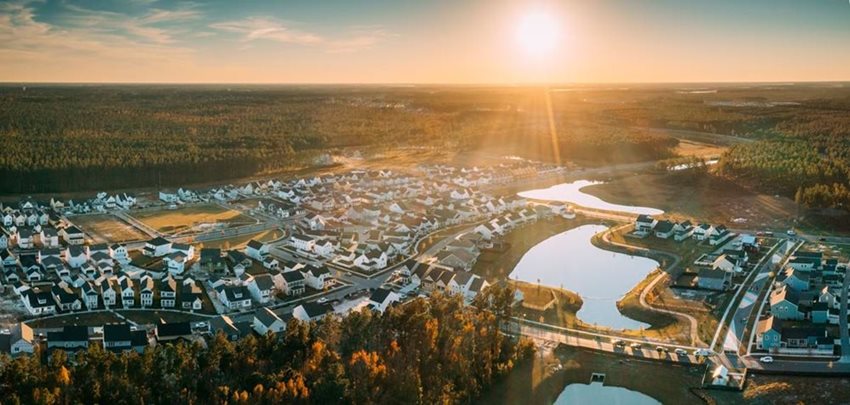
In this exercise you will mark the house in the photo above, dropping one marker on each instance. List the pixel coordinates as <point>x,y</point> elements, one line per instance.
<point>382,298</point>
<point>175,262</point>
<point>785,304</point>
<point>727,263</point>
<point>167,292</point>
<point>664,229</point>
<point>70,339</point>
<point>119,253</point>
<point>713,279</point>
<point>128,292</point>
<point>224,324</point>
<point>645,223</point>
<point>17,340</point>
<point>293,282</point>
<point>49,237</point>
<point>805,337</point>
<point>38,302</point>
<point>261,288</point>
<point>120,338</point>
<point>311,311</point>
<point>146,291</point>
<point>682,231</point>
<point>266,321</point>
<point>302,242</point>
<point>191,295</point>
<point>702,232</point>
<point>157,247</point>
<point>235,297</point>
<point>769,335</point>
<point>110,297</point>
<point>720,235</point>
<point>796,279</point>
<point>256,250</point>
<point>173,332</point>
<point>90,296</point>
<point>187,250</point>
<point>456,259</point>
<point>65,298</point>
<point>212,260</point>
<point>76,256</point>
<point>316,277</point>
<point>822,313</point>
<point>72,235</point>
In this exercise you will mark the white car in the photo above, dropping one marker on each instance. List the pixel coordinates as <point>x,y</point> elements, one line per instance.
<point>703,352</point>
<point>681,352</point>
<point>322,300</point>
<point>791,232</point>
<point>766,359</point>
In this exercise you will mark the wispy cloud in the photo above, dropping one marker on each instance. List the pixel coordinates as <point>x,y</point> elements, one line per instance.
<point>255,28</point>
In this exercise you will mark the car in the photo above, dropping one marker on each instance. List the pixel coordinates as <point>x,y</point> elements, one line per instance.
<point>322,300</point>
<point>766,359</point>
<point>822,239</point>
<point>636,346</point>
<point>703,352</point>
<point>760,233</point>
<point>791,232</point>
<point>768,233</point>
<point>619,343</point>
<point>661,349</point>
<point>681,352</point>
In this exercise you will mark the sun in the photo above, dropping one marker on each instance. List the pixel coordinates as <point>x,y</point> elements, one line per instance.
<point>538,33</point>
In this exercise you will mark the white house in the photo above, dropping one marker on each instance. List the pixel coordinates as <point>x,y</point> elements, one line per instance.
<point>382,298</point>
<point>316,277</point>
<point>256,250</point>
<point>262,288</point>
<point>157,247</point>
<point>266,321</point>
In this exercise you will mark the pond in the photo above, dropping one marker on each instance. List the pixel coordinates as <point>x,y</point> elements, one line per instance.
<point>571,193</point>
<point>596,393</point>
<point>569,260</point>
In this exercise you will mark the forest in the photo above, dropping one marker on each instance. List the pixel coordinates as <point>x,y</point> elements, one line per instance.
<point>427,351</point>
<point>59,138</point>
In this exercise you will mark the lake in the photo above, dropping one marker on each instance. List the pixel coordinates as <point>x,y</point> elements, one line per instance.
<point>568,260</point>
<point>571,193</point>
<point>596,393</point>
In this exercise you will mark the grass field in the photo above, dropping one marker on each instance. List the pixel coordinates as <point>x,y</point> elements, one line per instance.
<point>108,228</point>
<point>89,319</point>
<point>182,219</point>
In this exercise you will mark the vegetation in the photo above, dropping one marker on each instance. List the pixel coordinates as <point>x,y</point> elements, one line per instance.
<point>427,351</point>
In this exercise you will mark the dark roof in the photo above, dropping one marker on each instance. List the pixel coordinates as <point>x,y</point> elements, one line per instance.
<point>380,295</point>
<point>292,276</point>
<point>116,333</point>
<point>70,334</point>
<point>802,333</point>
<point>254,244</point>
<point>664,226</point>
<point>314,309</point>
<point>158,241</point>
<point>173,329</point>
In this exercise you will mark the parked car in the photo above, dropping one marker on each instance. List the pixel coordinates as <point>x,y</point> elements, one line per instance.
<point>661,349</point>
<point>703,352</point>
<point>322,300</point>
<point>766,359</point>
<point>619,343</point>
<point>681,352</point>
<point>636,346</point>
<point>791,232</point>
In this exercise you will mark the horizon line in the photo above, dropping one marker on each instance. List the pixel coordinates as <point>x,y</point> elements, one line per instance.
<point>425,84</point>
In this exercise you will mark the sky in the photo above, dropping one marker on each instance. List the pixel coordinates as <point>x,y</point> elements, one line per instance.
<point>424,41</point>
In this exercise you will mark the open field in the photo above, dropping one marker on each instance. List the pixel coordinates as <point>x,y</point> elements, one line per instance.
<point>105,228</point>
<point>83,318</point>
<point>699,149</point>
<point>185,218</point>
<point>536,382</point>
<point>238,242</point>
<point>704,198</point>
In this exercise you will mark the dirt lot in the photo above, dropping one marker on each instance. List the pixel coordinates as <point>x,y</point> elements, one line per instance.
<point>104,228</point>
<point>766,390</point>
<point>182,219</point>
<point>703,150</point>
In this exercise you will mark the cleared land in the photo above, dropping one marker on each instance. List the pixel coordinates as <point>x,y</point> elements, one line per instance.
<point>237,242</point>
<point>186,218</point>
<point>105,228</point>
<point>706,197</point>
<point>785,389</point>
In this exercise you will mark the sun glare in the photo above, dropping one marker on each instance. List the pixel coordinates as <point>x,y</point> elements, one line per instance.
<point>538,33</point>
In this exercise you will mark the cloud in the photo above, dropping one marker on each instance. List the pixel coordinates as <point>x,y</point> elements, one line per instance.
<point>252,29</point>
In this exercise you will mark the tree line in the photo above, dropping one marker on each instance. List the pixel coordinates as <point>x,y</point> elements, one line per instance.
<point>426,351</point>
